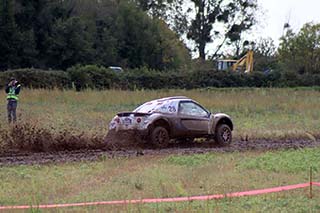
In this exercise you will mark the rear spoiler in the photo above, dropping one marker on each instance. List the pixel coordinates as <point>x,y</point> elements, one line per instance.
<point>135,114</point>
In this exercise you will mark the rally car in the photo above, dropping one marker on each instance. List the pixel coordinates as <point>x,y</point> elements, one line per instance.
<point>178,117</point>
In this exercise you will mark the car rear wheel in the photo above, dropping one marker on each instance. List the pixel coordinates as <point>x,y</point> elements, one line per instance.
<point>223,135</point>
<point>160,137</point>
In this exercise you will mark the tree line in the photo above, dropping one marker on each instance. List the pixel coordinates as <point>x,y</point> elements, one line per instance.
<point>58,34</point>
<point>147,35</point>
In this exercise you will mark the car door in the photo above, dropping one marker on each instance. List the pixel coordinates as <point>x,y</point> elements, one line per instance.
<point>194,119</point>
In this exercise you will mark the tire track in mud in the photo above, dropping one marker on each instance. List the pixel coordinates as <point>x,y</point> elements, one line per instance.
<point>17,158</point>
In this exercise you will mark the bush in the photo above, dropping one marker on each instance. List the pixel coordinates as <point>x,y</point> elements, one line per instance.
<point>36,78</point>
<point>91,76</point>
<point>99,77</point>
<point>143,78</point>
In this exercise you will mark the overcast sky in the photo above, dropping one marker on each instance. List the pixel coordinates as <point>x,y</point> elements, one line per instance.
<point>278,12</point>
<point>275,13</point>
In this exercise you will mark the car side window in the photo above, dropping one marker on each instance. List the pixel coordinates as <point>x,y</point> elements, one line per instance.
<point>190,108</point>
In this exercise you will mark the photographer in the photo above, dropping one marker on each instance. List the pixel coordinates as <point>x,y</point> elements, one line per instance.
<point>12,90</point>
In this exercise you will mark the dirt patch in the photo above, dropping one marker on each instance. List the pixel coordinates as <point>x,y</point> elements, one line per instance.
<point>14,158</point>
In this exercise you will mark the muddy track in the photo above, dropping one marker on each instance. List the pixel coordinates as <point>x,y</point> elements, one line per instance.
<point>18,158</point>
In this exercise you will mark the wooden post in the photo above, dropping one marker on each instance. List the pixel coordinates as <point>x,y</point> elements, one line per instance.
<point>310,179</point>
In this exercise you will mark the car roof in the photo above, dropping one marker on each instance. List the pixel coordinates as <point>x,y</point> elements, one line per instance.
<point>151,105</point>
<point>173,98</point>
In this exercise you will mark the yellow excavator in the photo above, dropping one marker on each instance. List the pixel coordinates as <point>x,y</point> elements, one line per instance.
<point>244,64</point>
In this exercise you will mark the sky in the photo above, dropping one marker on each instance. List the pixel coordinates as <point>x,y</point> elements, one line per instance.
<point>278,12</point>
<point>274,14</point>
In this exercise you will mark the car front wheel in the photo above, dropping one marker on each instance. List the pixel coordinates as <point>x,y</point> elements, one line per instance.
<point>160,137</point>
<point>223,135</point>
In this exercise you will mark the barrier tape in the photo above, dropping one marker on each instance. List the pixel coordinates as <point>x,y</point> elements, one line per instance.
<point>161,200</point>
<point>316,184</point>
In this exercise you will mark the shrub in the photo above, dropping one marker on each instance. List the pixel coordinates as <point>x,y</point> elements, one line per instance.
<point>99,77</point>
<point>91,76</point>
<point>36,78</point>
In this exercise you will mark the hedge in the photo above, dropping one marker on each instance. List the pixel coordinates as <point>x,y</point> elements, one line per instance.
<point>96,77</point>
<point>35,78</point>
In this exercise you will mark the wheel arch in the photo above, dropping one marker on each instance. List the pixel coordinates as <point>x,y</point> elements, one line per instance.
<point>223,120</point>
<point>160,122</point>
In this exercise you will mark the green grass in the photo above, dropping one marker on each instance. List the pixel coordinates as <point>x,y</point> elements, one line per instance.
<point>168,176</point>
<point>189,160</point>
<point>291,161</point>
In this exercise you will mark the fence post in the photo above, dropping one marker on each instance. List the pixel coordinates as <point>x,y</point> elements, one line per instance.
<point>311,180</point>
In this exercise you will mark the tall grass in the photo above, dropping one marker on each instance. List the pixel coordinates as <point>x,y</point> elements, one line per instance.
<point>256,112</point>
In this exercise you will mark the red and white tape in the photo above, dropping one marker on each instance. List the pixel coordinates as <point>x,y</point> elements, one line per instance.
<point>162,200</point>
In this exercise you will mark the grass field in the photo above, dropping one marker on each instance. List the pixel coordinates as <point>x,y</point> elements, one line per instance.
<point>169,176</point>
<point>257,113</point>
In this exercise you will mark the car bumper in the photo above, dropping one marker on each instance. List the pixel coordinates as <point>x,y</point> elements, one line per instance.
<point>144,131</point>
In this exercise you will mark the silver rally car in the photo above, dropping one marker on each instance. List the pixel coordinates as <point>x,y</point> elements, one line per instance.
<point>178,117</point>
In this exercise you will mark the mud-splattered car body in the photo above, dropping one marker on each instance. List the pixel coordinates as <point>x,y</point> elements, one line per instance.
<point>172,118</point>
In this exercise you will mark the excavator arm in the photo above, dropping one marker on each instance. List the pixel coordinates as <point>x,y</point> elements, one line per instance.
<point>246,60</point>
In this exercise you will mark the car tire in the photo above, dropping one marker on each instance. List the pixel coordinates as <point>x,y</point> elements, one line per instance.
<point>223,135</point>
<point>160,137</point>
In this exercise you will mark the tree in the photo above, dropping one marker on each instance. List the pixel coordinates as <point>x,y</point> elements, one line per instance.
<point>70,44</point>
<point>105,44</point>
<point>8,35</point>
<point>26,50</point>
<point>265,54</point>
<point>35,20</point>
<point>220,19</point>
<point>156,8</point>
<point>300,52</point>
<point>242,18</point>
<point>59,34</point>
<point>173,12</point>
<point>147,42</point>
